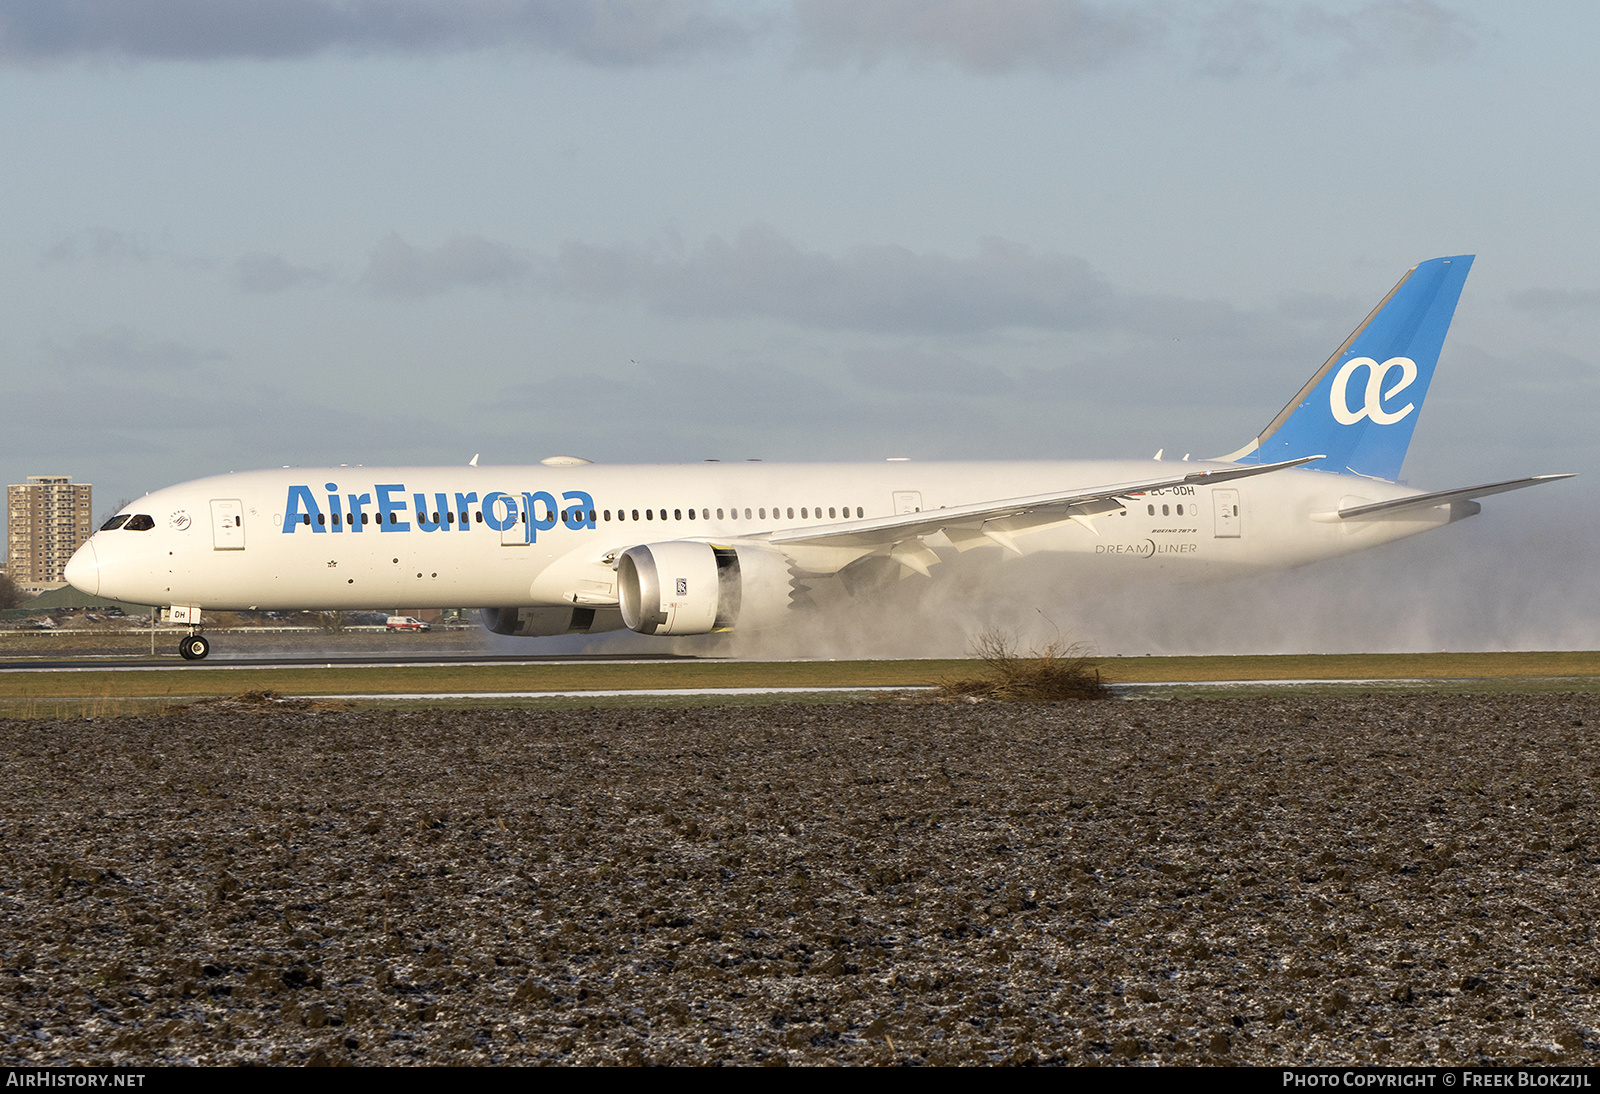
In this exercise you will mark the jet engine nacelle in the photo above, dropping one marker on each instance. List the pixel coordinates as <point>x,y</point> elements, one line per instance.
<point>547,622</point>
<point>684,587</point>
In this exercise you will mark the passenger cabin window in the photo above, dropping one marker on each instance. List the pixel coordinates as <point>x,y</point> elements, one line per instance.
<point>139,522</point>
<point>1165,512</point>
<point>115,522</point>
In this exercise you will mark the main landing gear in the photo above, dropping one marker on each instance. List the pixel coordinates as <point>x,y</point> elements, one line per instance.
<point>194,647</point>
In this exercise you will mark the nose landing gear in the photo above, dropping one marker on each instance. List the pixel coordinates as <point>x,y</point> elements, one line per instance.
<point>193,646</point>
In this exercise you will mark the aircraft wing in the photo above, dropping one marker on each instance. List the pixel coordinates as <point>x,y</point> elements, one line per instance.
<point>1388,509</point>
<point>995,520</point>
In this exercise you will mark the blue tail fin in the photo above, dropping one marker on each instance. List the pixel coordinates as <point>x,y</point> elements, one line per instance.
<point>1360,408</point>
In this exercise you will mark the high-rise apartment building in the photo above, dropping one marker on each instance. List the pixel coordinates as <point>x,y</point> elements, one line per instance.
<point>47,519</point>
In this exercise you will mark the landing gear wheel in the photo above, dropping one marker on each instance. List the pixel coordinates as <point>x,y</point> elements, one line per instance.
<point>194,647</point>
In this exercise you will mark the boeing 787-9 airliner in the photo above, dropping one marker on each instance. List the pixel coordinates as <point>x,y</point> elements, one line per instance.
<point>568,546</point>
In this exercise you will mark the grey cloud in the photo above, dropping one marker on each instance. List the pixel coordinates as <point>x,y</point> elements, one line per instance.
<point>1509,379</point>
<point>258,272</point>
<point>396,268</point>
<point>1391,31</point>
<point>1320,307</point>
<point>1248,373</point>
<point>982,36</point>
<point>640,391</point>
<point>1556,299</point>
<point>1067,37</point>
<point>1310,39</point>
<point>986,37</point>
<point>605,32</point>
<point>875,288</point>
<point>1238,37</point>
<point>879,289</point>
<point>759,409</point>
<point>909,372</point>
<point>128,438</point>
<point>97,245</point>
<point>1554,370</point>
<point>122,350</point>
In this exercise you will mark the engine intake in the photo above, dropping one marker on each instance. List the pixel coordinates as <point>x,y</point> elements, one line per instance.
<point>683,587</point>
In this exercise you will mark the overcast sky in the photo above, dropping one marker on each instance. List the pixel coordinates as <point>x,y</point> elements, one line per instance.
<point>236,234</point>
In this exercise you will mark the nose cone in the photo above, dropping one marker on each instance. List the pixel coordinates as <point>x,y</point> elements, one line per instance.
<point>83,570</point>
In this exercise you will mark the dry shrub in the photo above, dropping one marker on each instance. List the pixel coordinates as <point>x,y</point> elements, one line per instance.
<point>1056,673</point>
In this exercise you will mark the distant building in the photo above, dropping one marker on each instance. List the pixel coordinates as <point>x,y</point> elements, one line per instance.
<point>47,519</point>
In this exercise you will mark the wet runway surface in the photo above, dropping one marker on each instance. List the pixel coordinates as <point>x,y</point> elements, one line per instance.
<point>355,660</point>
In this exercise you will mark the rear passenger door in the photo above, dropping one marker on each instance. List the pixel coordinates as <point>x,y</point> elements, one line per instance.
<point>1226,505</point>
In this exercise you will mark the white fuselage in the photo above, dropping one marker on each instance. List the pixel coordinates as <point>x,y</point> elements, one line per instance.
<point>393,537</point>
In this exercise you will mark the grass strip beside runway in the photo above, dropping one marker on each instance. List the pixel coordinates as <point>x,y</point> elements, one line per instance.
<point>1352,666</point>
<point>411,679</point>
<point>190,681</point>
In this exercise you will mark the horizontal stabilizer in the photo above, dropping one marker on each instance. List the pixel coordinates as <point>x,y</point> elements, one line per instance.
<point>1388,509</point>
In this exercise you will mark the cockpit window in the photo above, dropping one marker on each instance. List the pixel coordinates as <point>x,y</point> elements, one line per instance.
<point>140,522</point>
<point>115,522</point>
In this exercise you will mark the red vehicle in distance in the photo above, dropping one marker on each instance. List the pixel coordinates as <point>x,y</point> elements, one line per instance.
<point>405,623</point>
